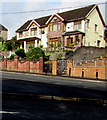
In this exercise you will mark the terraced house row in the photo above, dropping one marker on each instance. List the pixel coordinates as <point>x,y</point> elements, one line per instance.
<point>79,27</point>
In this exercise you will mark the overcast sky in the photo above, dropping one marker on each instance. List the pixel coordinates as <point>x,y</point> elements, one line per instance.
<point>13,21</point>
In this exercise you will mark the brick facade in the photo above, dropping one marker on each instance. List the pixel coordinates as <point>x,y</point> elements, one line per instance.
<point>22,66</point>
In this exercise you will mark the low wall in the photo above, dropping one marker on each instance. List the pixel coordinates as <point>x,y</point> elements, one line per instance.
<point>96,70</point>
<point>22,66</point>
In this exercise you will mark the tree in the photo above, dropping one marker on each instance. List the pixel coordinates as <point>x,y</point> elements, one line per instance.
<point>4,46</point>
<point>35,53</point>
<point>20,52</point>
<point>12,45</point>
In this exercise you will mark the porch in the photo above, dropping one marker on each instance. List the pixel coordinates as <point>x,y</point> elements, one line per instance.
<point>73,39</point>
<point>28,43</point>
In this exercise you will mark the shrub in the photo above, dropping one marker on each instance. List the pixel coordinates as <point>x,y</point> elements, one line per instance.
<point>46,57</point>
<point>59,45</point>
<point>41,46</point>
<point>72,44</point>
<point>51,45</point>
<point>20,52</point>
<point>35,53</point>
<point>59,57</point>
<point>12,57</point>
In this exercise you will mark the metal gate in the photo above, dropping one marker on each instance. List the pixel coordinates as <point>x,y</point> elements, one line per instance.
<point>62,67</point>
<point>48,67</point>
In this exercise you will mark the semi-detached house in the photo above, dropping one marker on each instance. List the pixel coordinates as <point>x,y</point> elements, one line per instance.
<point>79,27</point>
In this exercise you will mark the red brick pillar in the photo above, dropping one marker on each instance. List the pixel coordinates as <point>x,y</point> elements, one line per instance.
<point>16,64</point>
<point>41,65</point>
<point>5,64</point>
<point>28,66</point>
<point>54,67</point>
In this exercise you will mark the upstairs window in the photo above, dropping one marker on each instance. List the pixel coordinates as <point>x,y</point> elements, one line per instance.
<point>33,31</point>
<point>55,27</point>
<point>20,34</point>
<point>77,25</point>
<point>96,28</point>
<point>87,23</point>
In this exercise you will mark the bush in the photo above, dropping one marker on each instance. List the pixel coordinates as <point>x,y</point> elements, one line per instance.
<point>46,57</point>
<point>20,52</point>
<point>59,57</point>
<point>35,53</point>
<point>12,57</point>
<point>51,45</point>
<point>68,51</point>
<point>59,45</point>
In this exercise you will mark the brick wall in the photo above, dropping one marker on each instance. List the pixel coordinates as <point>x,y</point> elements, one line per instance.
<point>22,66</point>
<point>94,70</point>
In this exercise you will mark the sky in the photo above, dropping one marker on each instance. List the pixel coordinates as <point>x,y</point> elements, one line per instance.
<point>14,19</point>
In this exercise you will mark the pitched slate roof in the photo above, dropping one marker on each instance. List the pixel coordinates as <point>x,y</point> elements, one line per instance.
<point>3,28</point>
<point>76,13</point>
<point>71,15</point>
<point>41,21</point>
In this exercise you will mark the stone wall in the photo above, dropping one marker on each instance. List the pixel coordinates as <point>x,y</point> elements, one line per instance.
<point>87,53</point>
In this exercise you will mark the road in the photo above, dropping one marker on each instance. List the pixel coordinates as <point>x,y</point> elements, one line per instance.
<point>52,85</point>
<point>42,97</point>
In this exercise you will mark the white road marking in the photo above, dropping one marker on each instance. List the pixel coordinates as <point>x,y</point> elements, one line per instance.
<point>9,112</point>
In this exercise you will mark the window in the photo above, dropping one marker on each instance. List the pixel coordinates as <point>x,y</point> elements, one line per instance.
<point>20,34</point>
<point>98,43</point>
<point>55,41</point>
<point>50,27</point>
<point>55,27</point>
<point>88,21</point>
<point>33,31</point>
<point>77,25</point>
<point>96,28</point>
<point>69,41</point>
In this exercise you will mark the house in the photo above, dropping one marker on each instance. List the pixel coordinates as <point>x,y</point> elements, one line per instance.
<point>3,33</point>
<point>33,33</point>
<point>105,33</point>
<point>69,30</point>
